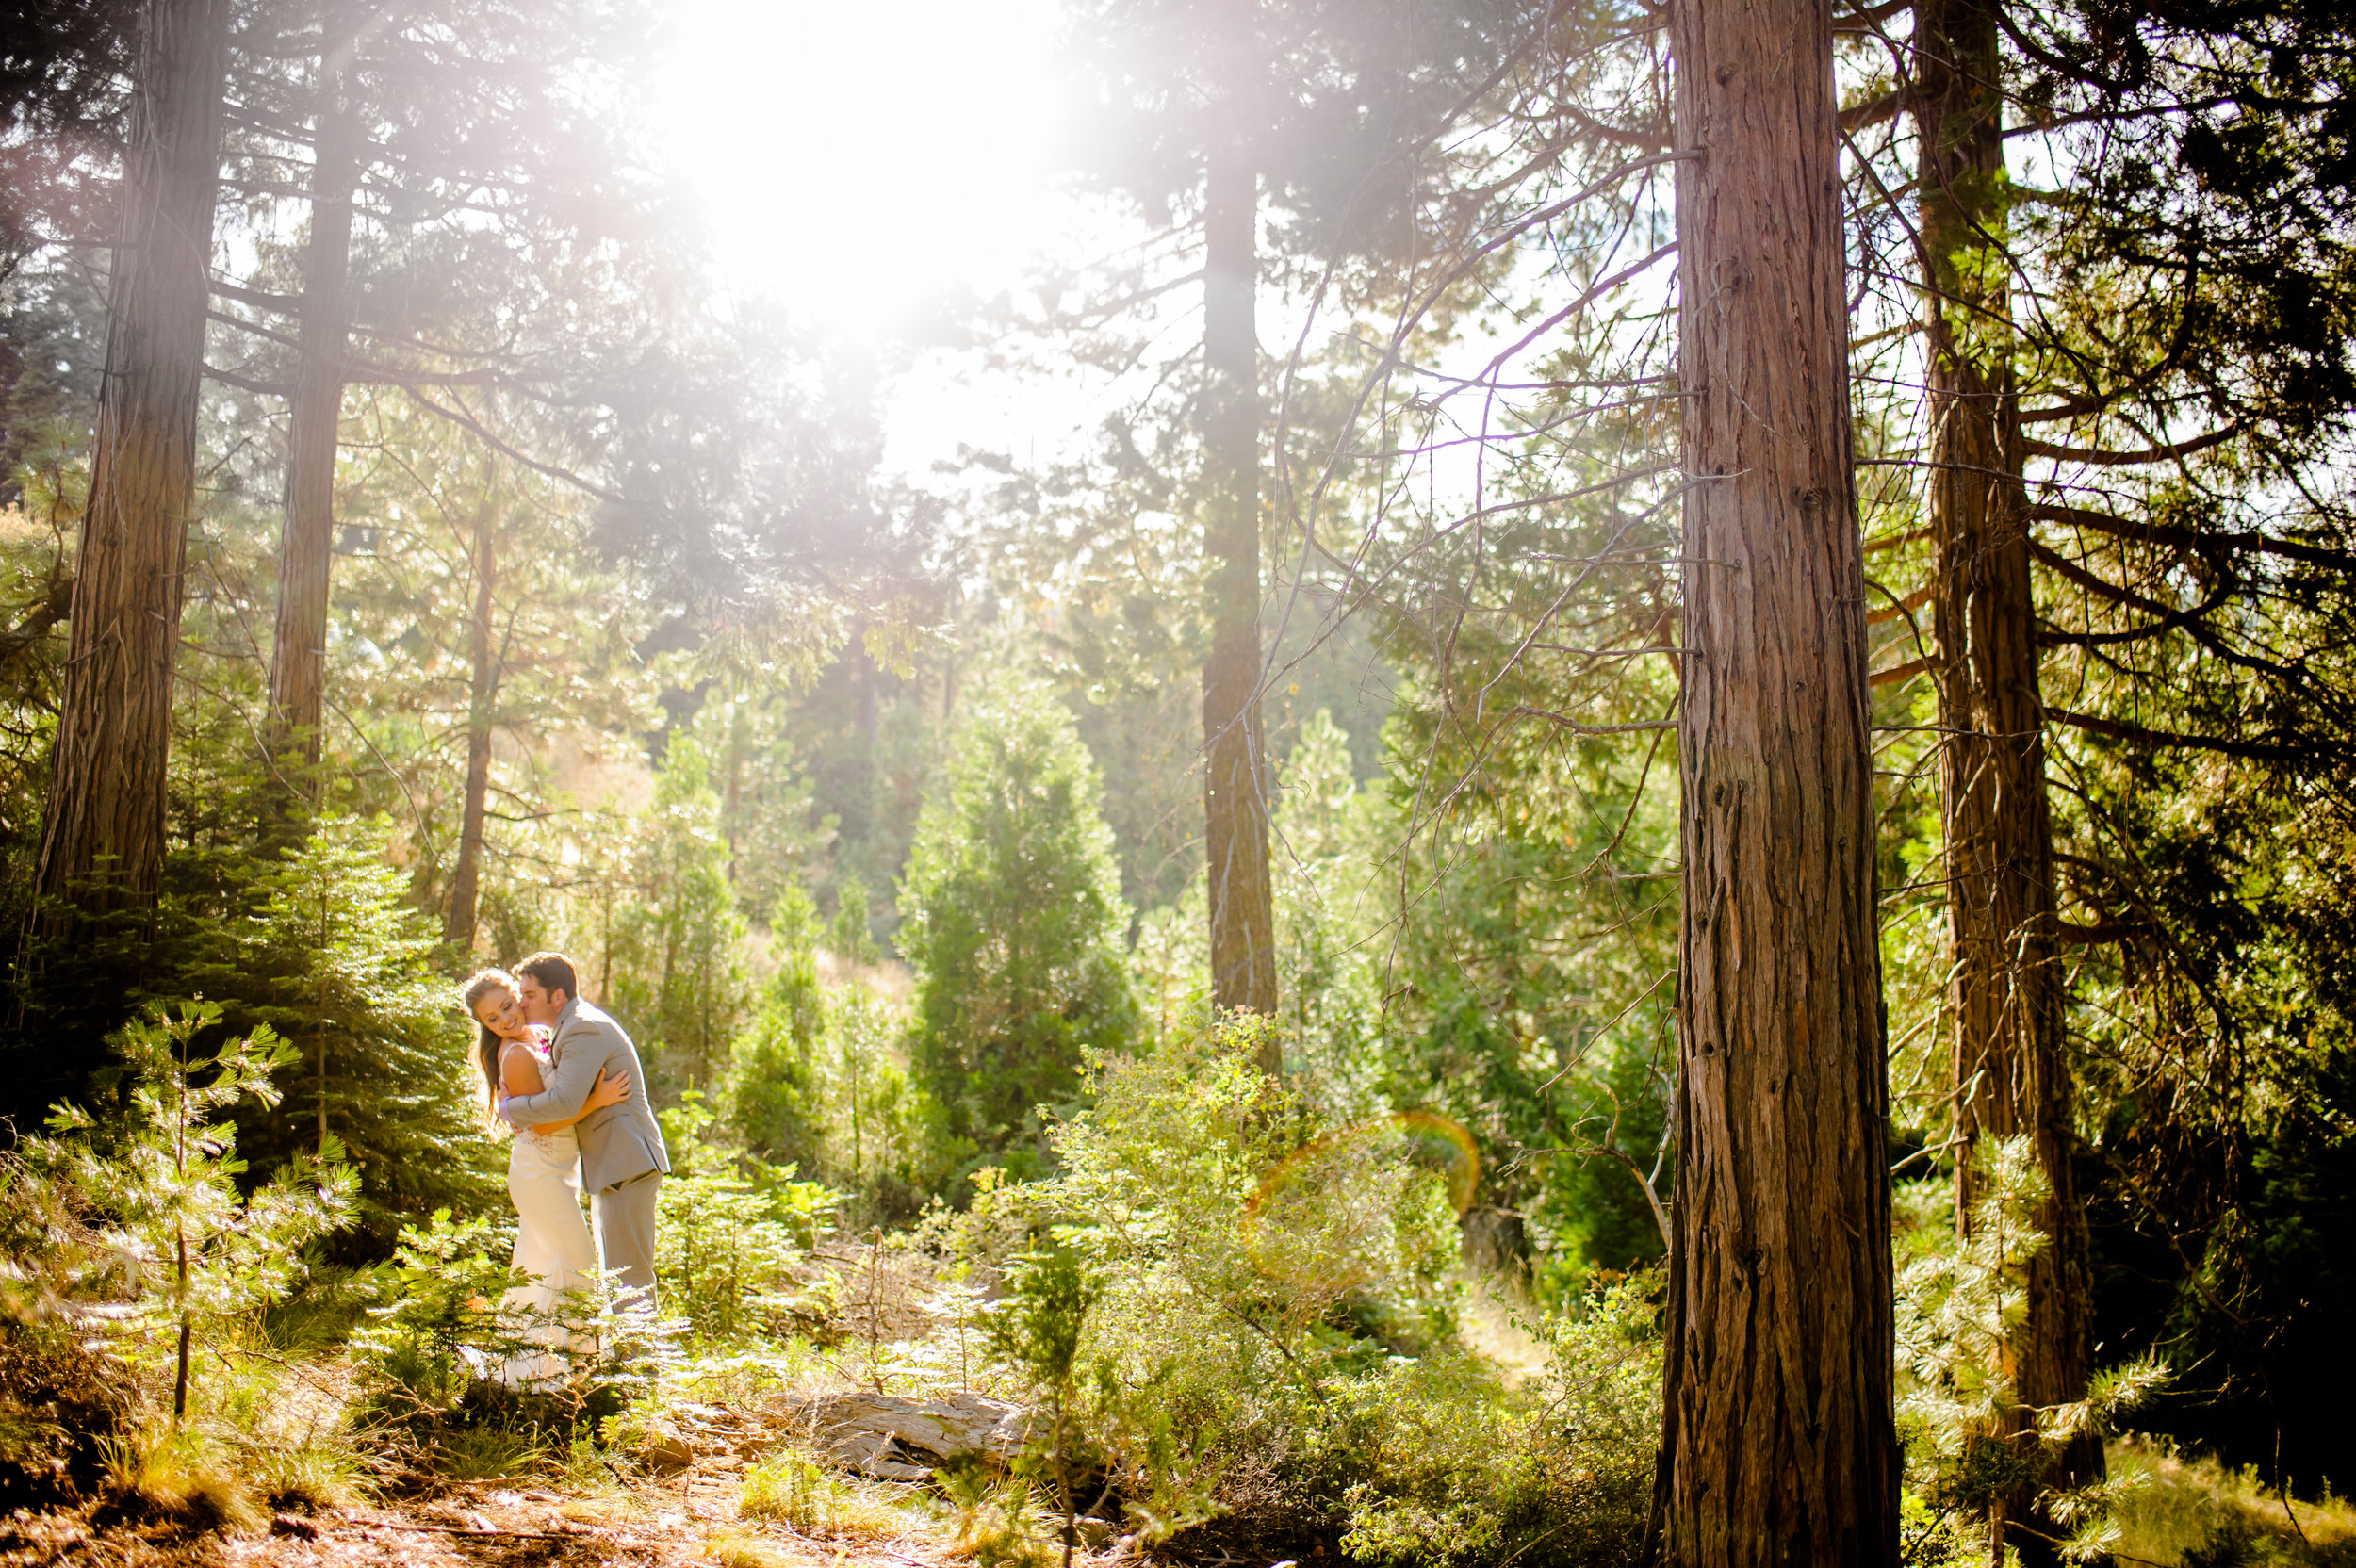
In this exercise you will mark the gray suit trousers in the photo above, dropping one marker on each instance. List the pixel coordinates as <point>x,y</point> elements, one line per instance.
<point>623,1218</point>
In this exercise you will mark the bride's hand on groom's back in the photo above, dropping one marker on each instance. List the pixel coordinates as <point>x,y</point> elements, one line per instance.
<point>609,1091</point>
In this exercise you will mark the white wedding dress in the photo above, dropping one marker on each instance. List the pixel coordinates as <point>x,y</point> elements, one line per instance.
<point>552,1244</point>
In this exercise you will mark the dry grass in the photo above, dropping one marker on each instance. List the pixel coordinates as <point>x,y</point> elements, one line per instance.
<point>734,1549</point>
<point>794,1490</point>
<point>2218,1515</point>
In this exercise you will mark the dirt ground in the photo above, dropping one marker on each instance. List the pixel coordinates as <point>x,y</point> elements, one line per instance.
<point>689,1517</point>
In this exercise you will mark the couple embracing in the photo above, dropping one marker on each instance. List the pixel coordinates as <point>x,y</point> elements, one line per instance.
<point>565,1077</point>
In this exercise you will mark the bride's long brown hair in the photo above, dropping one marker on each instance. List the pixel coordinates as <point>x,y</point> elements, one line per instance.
<point>486,1046</point>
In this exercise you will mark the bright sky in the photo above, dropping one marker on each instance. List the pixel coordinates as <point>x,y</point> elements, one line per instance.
<point>860,162</point>
<point>856,158</point>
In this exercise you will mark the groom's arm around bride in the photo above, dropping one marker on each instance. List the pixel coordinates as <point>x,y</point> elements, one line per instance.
<point>622,1156</point>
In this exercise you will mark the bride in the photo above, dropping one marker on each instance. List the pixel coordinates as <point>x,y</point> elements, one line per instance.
<point>553,1242</point>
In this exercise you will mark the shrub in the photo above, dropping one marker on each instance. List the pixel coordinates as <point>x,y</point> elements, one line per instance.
<point>1014,926</point>
<point>1240,1310</point>
<point>1960,1301</point>
<point>1256,1257</point>
<point>429,1361</point>
<point>768,1096</point>
<point>791,1489</point>
<point>137,1277</point>
<point>734,1245</point>
<point>336,959</point>
<point>195,1251</point>
<point>1460,1468</point>
<point>678,969</point>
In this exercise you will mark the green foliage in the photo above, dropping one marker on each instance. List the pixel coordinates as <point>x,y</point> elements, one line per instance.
<point>734,1235</point>
<point>1461,1468</point>
<point>436,1324</point>
<point>1243,1306</point>
<point>888,1140</point>
<point>1036,1329</point>
<point>767,814</point>
<point>1252,1251</point>
<point>1494,969</point>
<point>432,1361</point>
<point>143,1277</point>
<point>790,1490</point>
<point>1326,884</point>
<point>678,975</point>
<point>1961,1301</point>
<point>319,943</point>
<point>769,1094</point>
<point>332,955</point>
<point>1014,926</point>
<point>816,1081</point>
<point>849,938</point>
<point>195,1250</point>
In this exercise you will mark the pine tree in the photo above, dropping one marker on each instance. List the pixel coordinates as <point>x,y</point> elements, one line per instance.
<point>103,829</point>
<point>1222,105</point>
<point>334,957</point>
<point>199,1244</point>
<point>1014,923</point>
<point>770,1096</point>
<point>678,981</point>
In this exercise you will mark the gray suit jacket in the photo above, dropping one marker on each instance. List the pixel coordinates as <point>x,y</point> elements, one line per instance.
<point>619,1143</point>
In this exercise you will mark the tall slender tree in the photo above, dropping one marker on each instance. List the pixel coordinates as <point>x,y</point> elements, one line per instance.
<point>2011,1068</point>
<point>298,668</point>
<point>1235,774</point>
<point>104,818</point>
<point>1779,1442</point>
<point>458,925</point>
<point>2121,511</point>
<point>1312,107</point>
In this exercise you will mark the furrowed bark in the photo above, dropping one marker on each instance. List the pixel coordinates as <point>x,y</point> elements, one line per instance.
<point>466,882</point>
<point>2004,1001</point>
<point>1235,787</point>
<point>1779,1445</point>
<point>297,674</point>
<point>102,832</point>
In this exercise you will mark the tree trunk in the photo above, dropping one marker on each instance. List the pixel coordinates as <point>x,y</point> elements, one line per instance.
<point>102,835</point>
<point>733,799</point>
<point>2012,1075</point>
<point>466,884</point>
<point>1779,1444</point>
<point>1235,786</point>
<point>298,673</point>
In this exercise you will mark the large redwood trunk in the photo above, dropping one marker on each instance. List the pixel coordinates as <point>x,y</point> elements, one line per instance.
<point>466,882</point>
<point>298,671</point>
<point>1779,1445</point>
<point>102,833</point>
<point>1234,787</point>
<point>2011,1070</point>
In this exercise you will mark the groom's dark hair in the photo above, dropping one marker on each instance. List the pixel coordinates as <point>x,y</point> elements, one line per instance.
<point>554,971</point>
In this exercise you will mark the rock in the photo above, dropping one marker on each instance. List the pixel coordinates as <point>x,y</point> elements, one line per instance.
<point>667,1451</point>
<point>900,1438</point>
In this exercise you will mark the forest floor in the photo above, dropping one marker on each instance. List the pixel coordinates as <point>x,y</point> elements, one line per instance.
<point>691,1516</point>
<point>688,1517</point>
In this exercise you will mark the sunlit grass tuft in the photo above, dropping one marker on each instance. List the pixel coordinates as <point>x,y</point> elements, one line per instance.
<point>485,1453</point>
<point>794,1490</point>
<point>2185,1511</point>
<point>734,1549</point>
<point>180,1479</point>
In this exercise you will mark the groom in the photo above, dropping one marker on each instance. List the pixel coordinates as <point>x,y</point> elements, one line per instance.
<point>622,1158</point>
